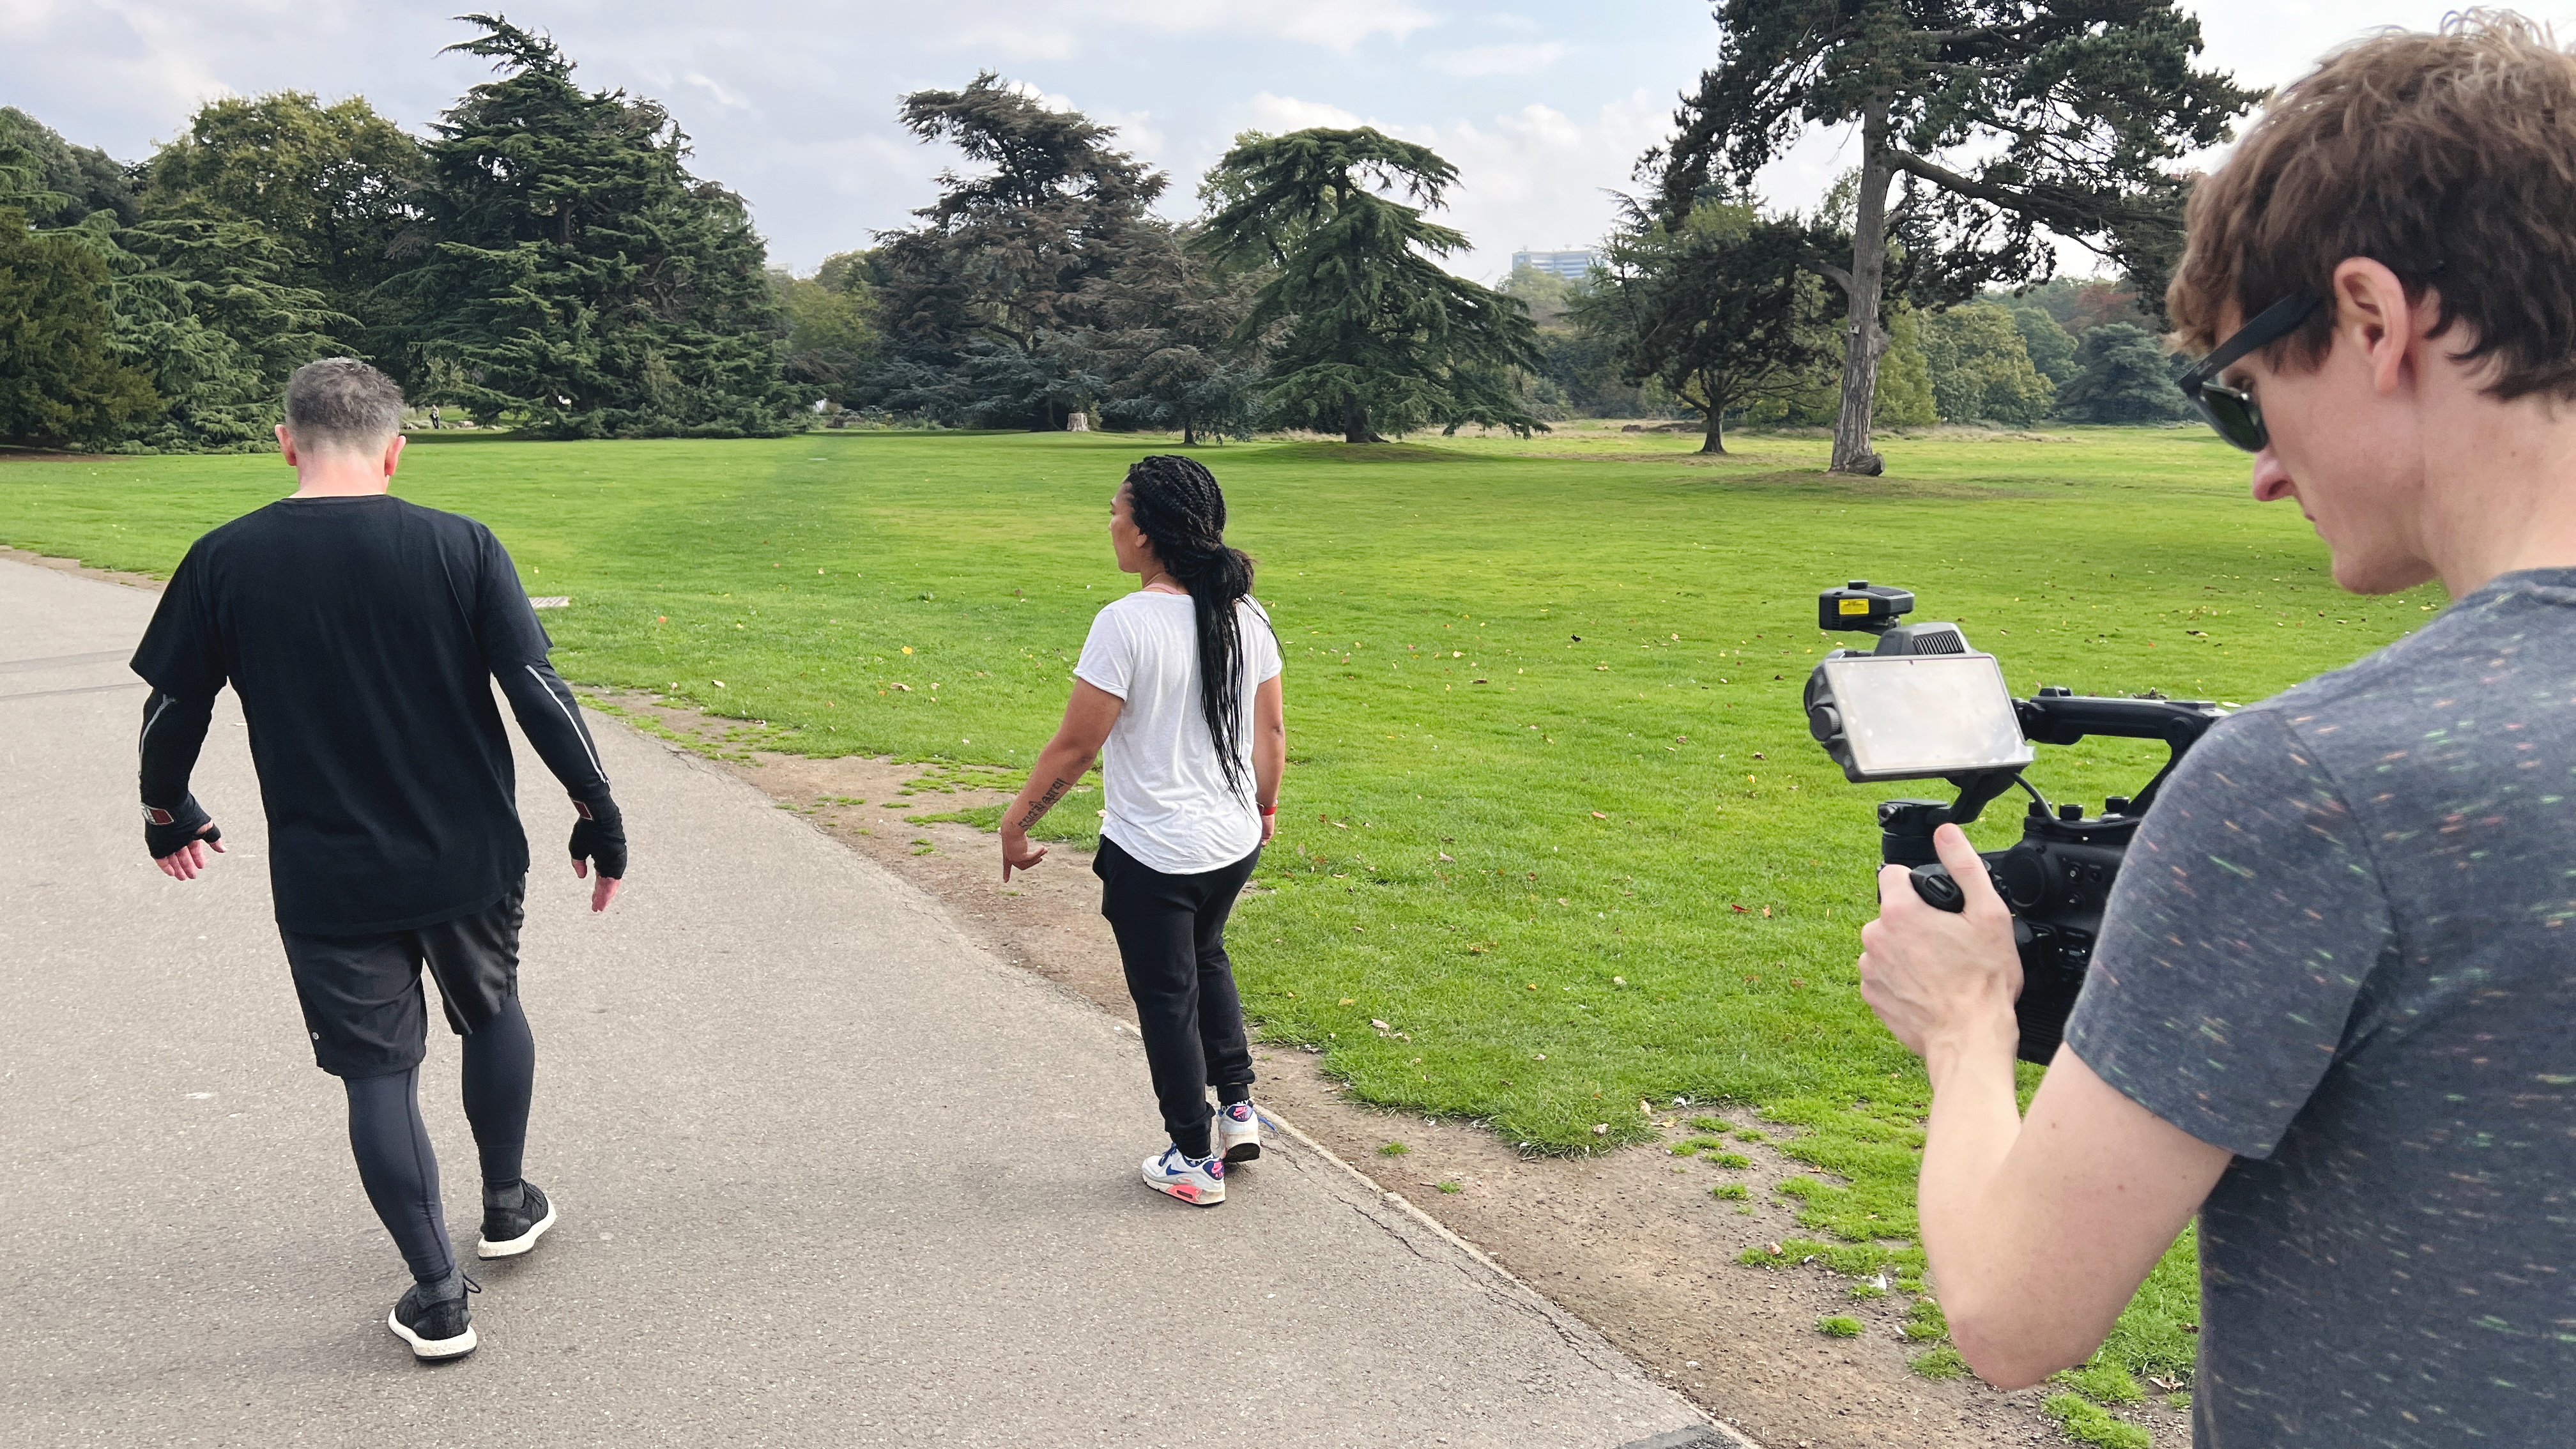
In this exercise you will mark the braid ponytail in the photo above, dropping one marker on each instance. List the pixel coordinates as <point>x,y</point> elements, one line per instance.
<point>1177,504</point>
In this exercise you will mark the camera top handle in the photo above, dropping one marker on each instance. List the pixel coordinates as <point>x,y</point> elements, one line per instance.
<point>2058,716</point>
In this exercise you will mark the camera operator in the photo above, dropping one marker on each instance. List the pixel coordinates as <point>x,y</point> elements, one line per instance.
<point>2330,1007</point>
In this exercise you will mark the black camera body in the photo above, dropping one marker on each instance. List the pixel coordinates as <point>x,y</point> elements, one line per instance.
<point>2057,878</point>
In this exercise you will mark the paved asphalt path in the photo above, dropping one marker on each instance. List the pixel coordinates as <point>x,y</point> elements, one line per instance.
<point>829,1175</point>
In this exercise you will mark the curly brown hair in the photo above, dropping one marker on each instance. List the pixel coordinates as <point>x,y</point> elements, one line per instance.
<point>2450,158</point>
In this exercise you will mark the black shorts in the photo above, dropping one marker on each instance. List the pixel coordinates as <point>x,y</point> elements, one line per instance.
<point>361,994</point>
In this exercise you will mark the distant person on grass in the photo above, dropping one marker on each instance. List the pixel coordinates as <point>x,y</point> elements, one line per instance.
<point>1177,693</point>
<point>2333,1007</point>
<point>362,635</point>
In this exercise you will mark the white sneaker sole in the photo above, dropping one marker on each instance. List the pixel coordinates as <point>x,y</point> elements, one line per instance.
<point>433,1348</point>
<point>1188,1192</point>
<point>486,1248</point>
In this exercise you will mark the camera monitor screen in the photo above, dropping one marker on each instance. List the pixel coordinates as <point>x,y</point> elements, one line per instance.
<point>1913,716</point>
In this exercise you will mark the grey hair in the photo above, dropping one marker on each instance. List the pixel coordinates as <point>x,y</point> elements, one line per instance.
<point>342,403</point>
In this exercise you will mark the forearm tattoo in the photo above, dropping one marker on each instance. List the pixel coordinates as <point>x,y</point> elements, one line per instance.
<point>1044,803</point>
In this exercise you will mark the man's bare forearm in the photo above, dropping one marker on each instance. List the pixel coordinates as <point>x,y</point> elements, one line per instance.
<point>1971,1128</point>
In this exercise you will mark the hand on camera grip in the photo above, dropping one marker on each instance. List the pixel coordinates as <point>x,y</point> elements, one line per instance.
<point>1938,889</point>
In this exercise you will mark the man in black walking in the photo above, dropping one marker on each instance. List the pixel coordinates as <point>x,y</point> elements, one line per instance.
<point>363,634</point>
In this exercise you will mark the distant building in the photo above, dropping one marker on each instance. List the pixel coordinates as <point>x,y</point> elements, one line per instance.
<point>1570,265</point>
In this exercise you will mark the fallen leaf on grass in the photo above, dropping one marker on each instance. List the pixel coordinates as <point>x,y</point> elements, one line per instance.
<point>1444,855</point>
<point>1350,1001</point>
<point>1773,1249</point>
<point>1739,908</point>
<point>1766,913</point>
<point>1382,1026</point>
<point>1600,1129</point>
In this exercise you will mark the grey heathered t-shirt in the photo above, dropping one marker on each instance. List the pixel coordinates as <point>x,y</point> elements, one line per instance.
<point>2341,949</point>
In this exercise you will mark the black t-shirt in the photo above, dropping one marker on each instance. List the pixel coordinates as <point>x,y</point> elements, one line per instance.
<point>2340,950</point>
<point>362,635</point>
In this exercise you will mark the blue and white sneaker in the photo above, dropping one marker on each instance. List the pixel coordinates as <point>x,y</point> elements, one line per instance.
<point>1201,1182</point>
<point>1238,1132</point>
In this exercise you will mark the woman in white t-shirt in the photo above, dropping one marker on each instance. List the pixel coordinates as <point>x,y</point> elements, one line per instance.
<point>1177,692</point>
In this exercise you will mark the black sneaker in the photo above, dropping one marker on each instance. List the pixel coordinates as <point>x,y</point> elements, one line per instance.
<point>512,1227</point>
<point>432,1318</point>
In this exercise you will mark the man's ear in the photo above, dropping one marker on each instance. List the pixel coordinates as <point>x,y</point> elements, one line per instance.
<point>2374,316</point>
<point>393,453</point>
<point>286,444</point>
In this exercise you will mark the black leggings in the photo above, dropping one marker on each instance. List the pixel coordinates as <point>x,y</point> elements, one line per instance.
<point>1171,939</point>
<point>392,1147</point>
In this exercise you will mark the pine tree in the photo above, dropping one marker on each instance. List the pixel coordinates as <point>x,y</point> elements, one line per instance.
<point>2122,376</point>
<point>2004,117</point>
<point>61,380</point>
<point>577,279</point>
<point>982,299</point>
<point>1161,339</point>
<point>1376,333</point>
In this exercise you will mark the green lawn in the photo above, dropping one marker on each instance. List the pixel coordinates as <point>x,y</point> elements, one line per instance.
<point>1552,815</point>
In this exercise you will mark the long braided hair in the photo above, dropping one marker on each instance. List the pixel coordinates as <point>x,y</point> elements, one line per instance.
<point>1176,503</point>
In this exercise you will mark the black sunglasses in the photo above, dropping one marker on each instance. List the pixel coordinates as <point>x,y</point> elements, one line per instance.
<point>2232,411</point>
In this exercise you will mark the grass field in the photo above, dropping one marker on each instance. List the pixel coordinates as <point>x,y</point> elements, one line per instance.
<point>1552,817</point>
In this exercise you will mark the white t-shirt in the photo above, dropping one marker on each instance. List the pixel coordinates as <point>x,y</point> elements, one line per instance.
<point>1168,802</point>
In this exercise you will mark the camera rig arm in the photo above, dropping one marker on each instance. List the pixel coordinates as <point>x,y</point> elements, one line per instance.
<point>2058,716</point>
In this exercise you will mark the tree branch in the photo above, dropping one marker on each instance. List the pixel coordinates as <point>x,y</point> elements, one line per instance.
<point>2021,203</point>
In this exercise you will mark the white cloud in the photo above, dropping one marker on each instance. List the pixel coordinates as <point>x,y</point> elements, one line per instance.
<point>1280,114</point>
<point>1516,59</point>
<point>1534,177</point>
<point>1337,25</point>
<point>1015,41</point>
<point>721,96</point>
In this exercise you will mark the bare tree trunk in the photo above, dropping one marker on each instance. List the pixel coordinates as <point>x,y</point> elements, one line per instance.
<point>1864,340</point>
<point>1355,423</point>
<point>1715,442</point>
<point>1189,434</point>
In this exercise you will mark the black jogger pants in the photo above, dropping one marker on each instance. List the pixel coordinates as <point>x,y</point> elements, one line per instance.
<point>1171,939</point>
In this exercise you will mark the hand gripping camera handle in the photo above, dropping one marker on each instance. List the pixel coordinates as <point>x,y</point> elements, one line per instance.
<point>1938,890</point>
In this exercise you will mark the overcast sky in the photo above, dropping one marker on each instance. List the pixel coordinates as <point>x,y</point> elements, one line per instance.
<point>1541,107</point>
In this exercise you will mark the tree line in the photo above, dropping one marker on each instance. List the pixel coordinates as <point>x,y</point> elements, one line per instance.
<point>545,259</point>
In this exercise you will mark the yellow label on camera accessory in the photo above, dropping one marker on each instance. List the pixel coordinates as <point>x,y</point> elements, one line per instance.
<point>1853,606</point>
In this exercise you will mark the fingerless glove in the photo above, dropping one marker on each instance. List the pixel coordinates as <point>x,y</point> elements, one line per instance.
<point>165,831</point>
<point>600,837</point>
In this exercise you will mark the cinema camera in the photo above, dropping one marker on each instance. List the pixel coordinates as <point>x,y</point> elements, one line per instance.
<point>1924,705</point>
